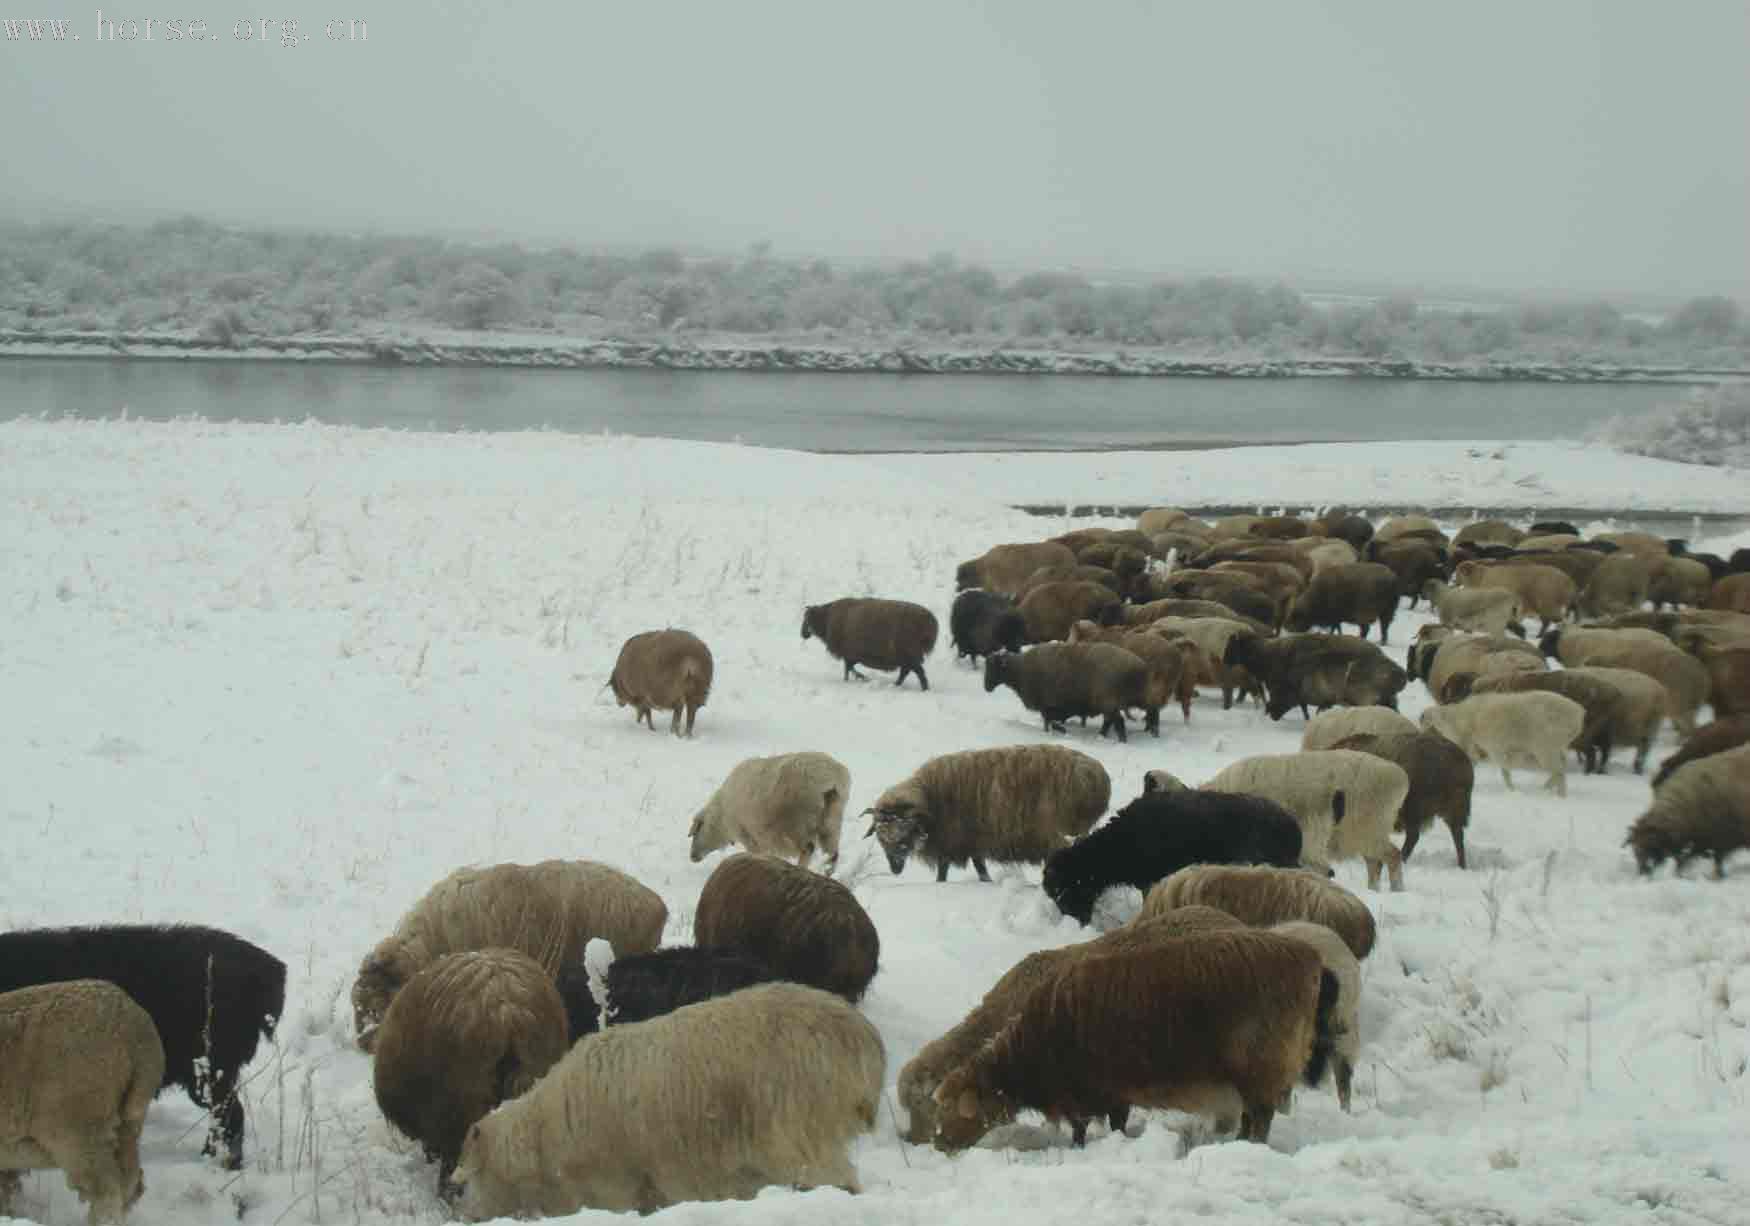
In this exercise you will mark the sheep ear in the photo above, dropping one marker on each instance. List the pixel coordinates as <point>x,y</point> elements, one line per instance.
<point>967,1105</point>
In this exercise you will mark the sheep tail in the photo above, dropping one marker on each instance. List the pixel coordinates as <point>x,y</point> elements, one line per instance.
<point>1324,1029</point>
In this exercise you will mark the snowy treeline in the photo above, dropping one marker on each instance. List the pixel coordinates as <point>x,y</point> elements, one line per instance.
<point>1709,426</point>
<point>229,285</point>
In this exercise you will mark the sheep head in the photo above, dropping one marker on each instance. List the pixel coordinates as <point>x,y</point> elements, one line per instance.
<point>900,822</point>
<point>968,1109</point>
<point>810,620</point>
<point>996,670</point>
<point>381,975</point>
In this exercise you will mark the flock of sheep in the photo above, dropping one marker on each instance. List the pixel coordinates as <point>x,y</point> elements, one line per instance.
<point>528,1030</point>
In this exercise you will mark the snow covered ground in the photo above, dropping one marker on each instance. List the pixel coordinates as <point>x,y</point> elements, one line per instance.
<point>281,679</point>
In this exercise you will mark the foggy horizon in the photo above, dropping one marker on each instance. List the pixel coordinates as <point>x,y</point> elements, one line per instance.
<point>1588,149</point>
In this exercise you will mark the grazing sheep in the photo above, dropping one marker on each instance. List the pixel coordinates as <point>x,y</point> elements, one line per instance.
<point>79,1064</point>
<point>1542,589</point>
<point>1211,635</point>
<point>642,986</point>
<point>212,996</point>
<point>1124,561</point>
<point>1533,728</point>
<point>1680,581</point>
<point>1733,591</point>
<point>1413,561</point>
<point>1238,592</point>
<point>1052,608</point>
<point>936,1059</point>
<point>1621,707</point>
<point>1265,896</point>
<point>663,670</point>
<point>1685,678</point>
<point>1728,672</point>
<point>1064,680</point>
<point>1013,805</point>
<point>1485,610</point>
<point>882,634</point>
<point>1488,532</point>
<point>1441,779</point>
<point>1002,568</point>
<point>1223,1022</point>
<point>466,1033</point>
<point>809,929</point>
<point>1317,670</point>
<point>982,622</point>
<point>1361,593</point>
<point>548,911</point>
<point>1704,742</point>
<point>1161,832</point>
<point>1619,584</point>
<point>768,1085</point>
<point>790,804</point>
<point>1345,1025</point>
<point>1325,730</point>
<point>1436,659</point>
<point>1171,675</point>
<point>1702,809</point>
<point>1347,803</point>
<point>1250,551</point>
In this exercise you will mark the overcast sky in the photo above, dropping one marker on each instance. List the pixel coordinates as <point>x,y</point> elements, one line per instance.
<point>1592,145</point>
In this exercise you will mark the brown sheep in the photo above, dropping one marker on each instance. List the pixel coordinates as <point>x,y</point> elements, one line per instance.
<point>1728,671</point>
<point>1702,809</point>
<point>1265,896</point>
<point>1731,592</point>
<point>1441,779</point>
<point>1062,681</point>
<point>1622,707</point>
<point>1361,593</point>
<point>664,670</point>
<point>882,634</point>
<point>1171,676</point>
<point>1704,742</point>
<point>1154,610</point>
<point>1280,527</point>
<point>1002,568</point>
<point>1058,574</point>
<point>468,1032</point>
<point>1052,608</point>
<point>808,928</point>
<point>1157,520</point>
<point>1679,581</point>
<point>1543,590</point>
<point>1488,532</point>
<point>1408,525</point>
<point>1685,678</point>
<point>1413,561</point>
<point>1619,585</point>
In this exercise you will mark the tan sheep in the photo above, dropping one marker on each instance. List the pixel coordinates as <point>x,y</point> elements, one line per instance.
<point>790,804</point>
<point>1619,584</point>
<point>1543,590</point>
<point>1513,729</point>
<point>1484,610</point>
<point>548,911</point>
<point>465,1034</point>
<point>1407,525</point>
<point>1325,729</point>
<point>714,1101</point>
<point>1003,568</point>
<point>1685,678</point>
<point>1156,520</point>
<point>1731,593</point>
<point>1264,896</point>
<point>79,1064</point>
<point>666,670</point>
<point>1679,581</point>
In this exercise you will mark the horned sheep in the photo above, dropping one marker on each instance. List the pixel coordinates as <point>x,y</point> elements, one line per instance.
<point>1441,780</point>
<point>211,994</point>
<point>790,804</point>
<point>1266,896</point>
<point>1325,730</point>
<point>1064,680</point>
<point>1513,729</point>
<point>1702,809</point>
<point>882,634</point>
<point>1014,805</point>
<point>665,670</point>
<point>639,987</point>
<point>550,911</point>
<point>808,928</point>
<point>1347,803</point>
<point>768,1085</point>
<point>79,1064</point>
<point>465,1034</point>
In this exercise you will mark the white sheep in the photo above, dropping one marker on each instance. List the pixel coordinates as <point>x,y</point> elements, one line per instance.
<point>789,804</point>
<point>1345,1017</point>
<point>1346,801</point>
<point>1485,610</point>
<point>79,1063</point>
<point>1328,727</point>
<point>768,1085</point>
<point>1532,728</point>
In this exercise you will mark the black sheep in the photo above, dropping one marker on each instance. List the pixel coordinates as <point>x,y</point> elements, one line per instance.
<point>1552,527</point>
<point>643,986</point>
<point>982,622</point>
<point>212,995</point>
<point>1161,832</point>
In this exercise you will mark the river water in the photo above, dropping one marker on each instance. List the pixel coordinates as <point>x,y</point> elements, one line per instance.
<point>823,412</point>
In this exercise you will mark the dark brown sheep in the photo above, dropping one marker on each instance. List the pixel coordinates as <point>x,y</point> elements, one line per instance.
<point>1281,527</point>
<point>1002,568</point>
<point>1359,593</point>
<point>1704,742</point>
<point>1065,680</point>
<point>1413,561</point>
<point>1441,779</point>
<point>1172,675</point>
<point>1728,671</point>
<point>1355,529</point>
<point>1318,670</point>
<point>882,634</point>
<point>1703,809</point>
<point>1052,608</point>
<point>808,928</point>
<point>1237,592</point>
<point>1732,592</point>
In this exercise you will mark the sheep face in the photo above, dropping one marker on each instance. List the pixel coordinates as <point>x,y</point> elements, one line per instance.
<point>1070,890</point>
<point>899,834</point>
<point>702,842</point>
<point>811,622</point>
<point>1652,847</point>
<point>379,978</point>
<point>966,1111</point>
<point>996,670</point>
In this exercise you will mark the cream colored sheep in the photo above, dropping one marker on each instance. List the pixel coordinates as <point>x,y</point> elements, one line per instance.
<point>791,804</point>
<point>1325,729</point>
<point>1157,520</point>
<point>766,1086</point>
<point>1340,960</point>
<point>1532,728</point>
<point>1346,801</point>
<point>1485,610</point>
<point>548,911</point>
<point>79,1063</point>
<point>1264,896</point>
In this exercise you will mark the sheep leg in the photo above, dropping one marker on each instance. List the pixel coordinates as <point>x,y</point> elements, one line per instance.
<point>941,872</point>
<point>1507,778</point>
<point>1373,867</point>
<point>1118,1119</point>
<point>904,671</point>
<point>226,1126</point>
<point>1719,866</point>
<point>1255,1122</point>
<point>95,1176</point>
<point>983,872</point>
<point>851,671</point>
<point>1558,775</point>
<point>1344,1074</point>
<point>1394,868</point>
<point>674,723</point>
<point>1078,1132</point>
<point>1640,763</point>
<point>1457,842</point>
<point>923,681</point>
<point>1412,835</point>
<point>9,1181</point>
<point>1151,721</point>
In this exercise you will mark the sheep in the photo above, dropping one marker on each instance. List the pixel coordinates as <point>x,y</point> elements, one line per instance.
<point>1576,562</point>
<point>1619,585</point>
<point>79,1063</point>
<point>1053,574</point>
<point>809,929</point>
<point>1052,608</point>
<point>1406,525</point>
<point>663,670</point>
<point>1266,896</point>
<point>768,1085</point>
<point>1485,610</point>
<point>1000,1005</point>
<point>1354,529</point>
<point>1280,527</point>
<point>1345,1025</point>
<point>1346,802</point>
<point>1640,544</point>
<point>1222,1021</point>
<point>1323,731</point>
<point>1156,520</point>
<point>1707,740</point>
<point>1211,635</point>
<point>1285,553</point>
<point>639,987</point>
<point>1163,831</point>
<point>1361,593</point>
<point>983,622</point>
<point>1679,581</point>
<point>1238,592</point>
<point>211,994</point>
<point>1124,561</point>
<point>1413,561</point>
<point>1317,670</point>
<point>882,634</point>
<point>1542,589</point>
<point>1685,678</point>
<point>1013,805</point>
<point>466,1033</point>
<point>1701,809</point>
<point>1171,676</point>
<point>1441,779</point>
<point>1550,527</point>
<point>548,910</point>
<point>1078,538</point>
<point>1731,592</point>
<point>1436,659</point>
<point>1001,568</point>
<point>1621,706</point>
<point>1159,780</point>
<point>1488,532</point>
<point>1728,672</point>
<point>1172,606</point>
<point>789,804</point>
<point>1324,554</point>
<point>1063,680</point>
<point>1532,727</point>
